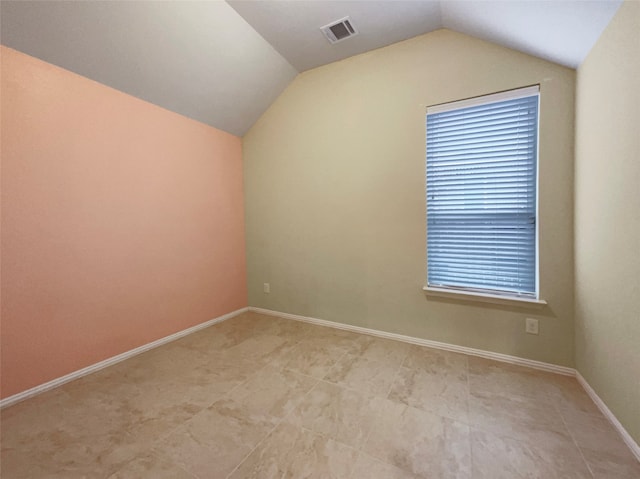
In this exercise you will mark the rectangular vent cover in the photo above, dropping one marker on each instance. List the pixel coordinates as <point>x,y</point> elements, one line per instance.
<point>339,30</point>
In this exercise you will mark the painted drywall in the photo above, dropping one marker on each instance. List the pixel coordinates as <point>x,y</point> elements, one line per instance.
<point>335,204</point>
<point>122,222</point>
<point>607,222</point>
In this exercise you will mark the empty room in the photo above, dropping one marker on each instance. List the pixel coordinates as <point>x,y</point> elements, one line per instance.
<point>320,239</point>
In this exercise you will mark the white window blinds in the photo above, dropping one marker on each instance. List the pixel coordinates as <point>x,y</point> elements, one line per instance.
<point>481,193</point>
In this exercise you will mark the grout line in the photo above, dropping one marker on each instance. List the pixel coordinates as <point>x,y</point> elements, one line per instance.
<point>376,415</point>
<point>241,383</point>
<point>365,441</point>
<point>224,395</point>
<point>573,439</point>
<point>285,368</point>
<point>252,450</point>
<point>169,460</point>
<point>395,376</point>
<point>173,429</point>
<point>271,431</point>
<point>342,356</point>
<point>283,418</point>
<point>289,370</point>
<point>345,353</point>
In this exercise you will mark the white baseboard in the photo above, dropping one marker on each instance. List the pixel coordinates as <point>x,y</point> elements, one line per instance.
<point>8,401</point>
<point>626,437</point>
<point>629,441</point>
<point>505,358</point>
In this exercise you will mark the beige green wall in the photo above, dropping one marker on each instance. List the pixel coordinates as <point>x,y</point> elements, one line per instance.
<point>607,243</point>
<point>334,195</point>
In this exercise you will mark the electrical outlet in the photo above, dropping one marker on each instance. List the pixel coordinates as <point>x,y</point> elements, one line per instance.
<point>531,326</point>
<point>266,288</point>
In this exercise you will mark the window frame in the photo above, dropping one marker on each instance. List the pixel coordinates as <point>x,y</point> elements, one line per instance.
<point>488,294</point>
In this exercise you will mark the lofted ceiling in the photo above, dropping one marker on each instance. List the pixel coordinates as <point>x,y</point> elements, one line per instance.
<point>561,31</point>
<point>224,63</point>
<point>199,59</point>
<point>293,27</point>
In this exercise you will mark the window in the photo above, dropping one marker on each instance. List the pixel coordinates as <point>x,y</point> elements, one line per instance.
<point>482,194</point>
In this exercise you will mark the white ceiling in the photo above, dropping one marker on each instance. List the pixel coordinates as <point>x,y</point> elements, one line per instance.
<point>293,27</point>
<point>224,63</point>
<point>200,59</point>
<point>561,31</point>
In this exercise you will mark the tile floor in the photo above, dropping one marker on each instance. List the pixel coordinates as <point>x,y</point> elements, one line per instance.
<point>264,397</point>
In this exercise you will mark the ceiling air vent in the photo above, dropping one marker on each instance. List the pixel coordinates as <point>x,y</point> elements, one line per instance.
<point>339,30</point>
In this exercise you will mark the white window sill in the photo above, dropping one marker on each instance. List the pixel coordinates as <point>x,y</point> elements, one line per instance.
<point>462,295</point>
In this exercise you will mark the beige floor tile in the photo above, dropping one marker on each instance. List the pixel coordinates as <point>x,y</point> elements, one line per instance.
<point>256,323</point>
<point>27,419</point>
<point>605,465</point>
<point>362,374</point>
<point>435,381</point>
<point>215,338</point>
<point>247,394</point>
<point>272,393</point>
<point>495,457</point>
<point>155,412</point>
<point>567,393</point>
<point>114,381</point>
<point>288,328</point>
<point>523,419</point>
<point>216,440</point>
<point>598,440</point>
<point>164,404</point>
<point>59,453</point>
<point>84,417</point>
<point>231,332</point>
<point>437,361</point>
<point>168,360</point>
<point>151,466</point>
<point>340,414</point>
<point>337,337</point>
<point>293,452</point>
<point>312,357</point>
<point>378,349</point>
<point>260,347</point>
<point>220,373</point>
<point>422,443</point>
<point>486,376</point>
<point>50,422</point>
<point>22,464</point>
<point>334,341</point>
<point>269,324</point>
<point>371,468</point>
<point>432,390</point>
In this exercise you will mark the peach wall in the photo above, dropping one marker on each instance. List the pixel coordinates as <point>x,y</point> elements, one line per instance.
<point>122,222</point>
